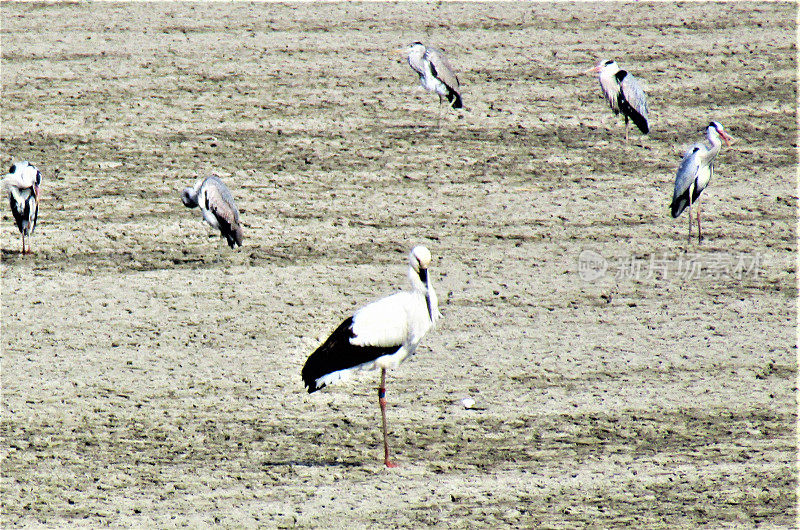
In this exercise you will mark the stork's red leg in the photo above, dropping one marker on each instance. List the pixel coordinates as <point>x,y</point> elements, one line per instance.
<point>382,403</point>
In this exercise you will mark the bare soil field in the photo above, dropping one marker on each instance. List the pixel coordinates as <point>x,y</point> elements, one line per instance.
<point>151,376</point>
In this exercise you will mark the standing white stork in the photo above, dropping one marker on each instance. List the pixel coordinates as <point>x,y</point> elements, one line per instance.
<point>695,172</point>
<point>623,93</point>
<point>217,206</point>
<point>379,335</point>
<point>22,182</point>
<point>435,73</point>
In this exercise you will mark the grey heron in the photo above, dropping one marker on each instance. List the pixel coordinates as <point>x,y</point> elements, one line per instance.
<point>695,172</point>
<point>379,335</point>
<point>217,206</point>
<point>435,73</point>
<point>22,182</point>
<point>623,93</point>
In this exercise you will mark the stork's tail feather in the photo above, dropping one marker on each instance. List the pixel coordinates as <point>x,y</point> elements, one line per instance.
<point>454,98</point>
<point>338,355</point>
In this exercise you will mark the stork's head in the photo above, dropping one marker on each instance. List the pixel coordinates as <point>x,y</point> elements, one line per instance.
<point>716,127</point>
<point>603,64</point>
<point>420,259</point>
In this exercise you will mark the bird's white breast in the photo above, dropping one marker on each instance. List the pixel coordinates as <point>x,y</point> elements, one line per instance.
<point>399,320</point>
<point>610,87</point>
<point>703,176</point>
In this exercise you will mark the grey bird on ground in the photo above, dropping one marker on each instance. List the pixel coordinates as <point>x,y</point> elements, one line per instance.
<point>217,206</point>
<point>435,73</point>
<point>623,93</point>
<point>695,172</point>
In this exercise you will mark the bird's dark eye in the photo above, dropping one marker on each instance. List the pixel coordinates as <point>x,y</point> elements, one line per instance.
<point>13,168</point>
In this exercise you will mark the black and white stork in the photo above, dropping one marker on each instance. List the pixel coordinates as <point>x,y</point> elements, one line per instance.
<point>379,335</point>
<point>22,182</point>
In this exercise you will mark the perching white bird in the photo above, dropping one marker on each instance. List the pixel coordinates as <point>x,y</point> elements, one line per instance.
<point>623,93</point>
<point>695,172</point>
<point>379,335</point>
<point>435,73</point>
<point>22,182</point>
<point>217,206</point>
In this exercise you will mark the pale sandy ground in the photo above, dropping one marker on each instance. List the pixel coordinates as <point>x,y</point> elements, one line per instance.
<point>151,376</point>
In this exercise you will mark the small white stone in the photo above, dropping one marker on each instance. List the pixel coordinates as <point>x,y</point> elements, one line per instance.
<point>468,402</point>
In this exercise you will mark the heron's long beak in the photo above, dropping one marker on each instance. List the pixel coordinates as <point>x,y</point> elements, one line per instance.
<point>727,138</point>
<point>592,70</point>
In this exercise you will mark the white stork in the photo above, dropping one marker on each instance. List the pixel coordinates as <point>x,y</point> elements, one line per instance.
<point>435,73</point>
<point>217,206</point>
<point>695,172</point>
<point>22,182</point>
<point>379,335</point>
<point>623,93</point>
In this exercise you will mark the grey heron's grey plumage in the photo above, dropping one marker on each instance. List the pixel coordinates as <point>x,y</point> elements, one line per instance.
<point>695,172</point>
<point>435,72</point>
<point>217,206</point>
<point>22,183</point>
<point>623,93</point>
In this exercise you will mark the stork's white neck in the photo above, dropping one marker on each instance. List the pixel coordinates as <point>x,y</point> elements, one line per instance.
<point>416,284</point>
<point>426,292</point>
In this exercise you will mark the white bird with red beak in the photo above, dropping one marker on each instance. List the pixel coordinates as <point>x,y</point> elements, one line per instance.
<point>22,182</point>
<point>695,172</point>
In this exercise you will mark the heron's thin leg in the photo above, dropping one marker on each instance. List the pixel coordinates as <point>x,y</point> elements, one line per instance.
<point>382,403</point>
<point>439,114</point>
<point>689,239</point>
<point>699,233</point>
<point>23,242</point>
<point>626,130</point>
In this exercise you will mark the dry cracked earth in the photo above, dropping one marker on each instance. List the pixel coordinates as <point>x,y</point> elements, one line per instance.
<point>622,376</point>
